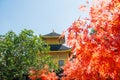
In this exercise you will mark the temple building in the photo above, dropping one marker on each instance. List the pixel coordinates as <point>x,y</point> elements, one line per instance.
<point>58,50</point>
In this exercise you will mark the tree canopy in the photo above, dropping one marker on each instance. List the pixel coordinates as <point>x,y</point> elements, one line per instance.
<point>19,53</point>
<point>95,42</point>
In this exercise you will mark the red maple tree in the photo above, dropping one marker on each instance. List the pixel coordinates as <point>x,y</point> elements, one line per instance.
<point>95,42</point>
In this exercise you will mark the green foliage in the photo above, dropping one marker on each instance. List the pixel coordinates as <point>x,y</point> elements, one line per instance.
<point>92,31</point>
<point>20,52</point>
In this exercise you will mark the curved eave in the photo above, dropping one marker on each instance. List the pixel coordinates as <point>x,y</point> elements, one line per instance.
<point>69,50</point>
<point>50,36</point>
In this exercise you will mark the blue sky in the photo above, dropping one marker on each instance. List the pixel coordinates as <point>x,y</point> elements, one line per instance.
<point>41,16</point>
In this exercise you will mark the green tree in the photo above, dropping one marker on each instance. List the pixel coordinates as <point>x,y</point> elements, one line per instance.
<point>20,52</point>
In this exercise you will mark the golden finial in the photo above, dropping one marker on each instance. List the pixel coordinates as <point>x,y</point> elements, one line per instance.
<point>53,30</point>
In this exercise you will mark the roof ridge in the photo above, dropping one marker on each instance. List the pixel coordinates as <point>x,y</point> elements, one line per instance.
<point>53,33</point>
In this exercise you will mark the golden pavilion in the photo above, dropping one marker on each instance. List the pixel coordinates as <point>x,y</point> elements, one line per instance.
<point>58,50</point>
